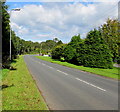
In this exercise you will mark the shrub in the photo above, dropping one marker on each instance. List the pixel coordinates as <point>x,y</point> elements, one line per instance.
<point>70,54</point>
<point>57,51</point>
<point>96,52</point>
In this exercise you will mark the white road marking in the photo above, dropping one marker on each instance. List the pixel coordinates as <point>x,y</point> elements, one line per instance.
<point>62,72</point>
<point>68,74</point>
<point>91,84</point>
<point>43,64</point>
<point>50,67</point>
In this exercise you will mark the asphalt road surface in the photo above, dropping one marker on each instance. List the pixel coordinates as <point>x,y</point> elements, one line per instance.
<point>70,89</point>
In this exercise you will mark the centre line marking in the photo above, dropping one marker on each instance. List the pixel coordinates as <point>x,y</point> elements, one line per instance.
<point>91,84</point>
<point>50,67</point>
<point>43,64</point>
<point>62,72</point>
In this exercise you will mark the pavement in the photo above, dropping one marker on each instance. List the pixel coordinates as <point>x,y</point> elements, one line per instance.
<point>65,88</point>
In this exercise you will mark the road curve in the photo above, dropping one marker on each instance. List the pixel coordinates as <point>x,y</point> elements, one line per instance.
<point>66,88</point>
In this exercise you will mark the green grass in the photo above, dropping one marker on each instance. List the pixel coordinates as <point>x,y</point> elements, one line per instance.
<point>21,92</point>
<point>4,73</point>
<point>111,73</point>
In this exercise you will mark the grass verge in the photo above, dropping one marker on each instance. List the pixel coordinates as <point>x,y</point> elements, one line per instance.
<point>4,74</point>
<point>20,91</point>
<point>111,73</point>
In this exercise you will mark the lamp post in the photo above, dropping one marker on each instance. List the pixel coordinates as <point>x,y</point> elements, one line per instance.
<point>11,31</point>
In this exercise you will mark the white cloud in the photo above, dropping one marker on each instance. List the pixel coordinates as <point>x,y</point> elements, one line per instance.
<point>62,20</point>
<point>62,0</point>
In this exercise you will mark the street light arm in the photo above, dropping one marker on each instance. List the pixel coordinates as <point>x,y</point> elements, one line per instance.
<point>16,9</point>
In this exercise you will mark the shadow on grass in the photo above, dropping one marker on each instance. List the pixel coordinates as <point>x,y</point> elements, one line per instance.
<point>5,86</point>
<point>71,62</point>
<point>7,65</point>
<point>12,68</point>
<point>14,61</point>
<point>58,60</point>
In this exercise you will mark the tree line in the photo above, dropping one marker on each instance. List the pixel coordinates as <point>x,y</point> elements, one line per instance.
<point>20,46</point>
<point>99,49</point>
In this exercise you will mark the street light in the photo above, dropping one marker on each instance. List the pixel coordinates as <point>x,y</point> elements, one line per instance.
<point>10,29</point>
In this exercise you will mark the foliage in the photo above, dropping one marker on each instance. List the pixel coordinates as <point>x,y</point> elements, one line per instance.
<point>111,35</point>
<point>48,45</point>
<point>4,73</point>
<point>70,54</point>
<point>92,51</point>
<point>21,92</point>
<point>81,51</point>
<point>96,52</point>
<point>21,46</point>
<point>111,73</point>
<point>5,33</point>
<point>74,40</point>
<point>57,51</point>
<point>59,43</point>
<point>18,45</point>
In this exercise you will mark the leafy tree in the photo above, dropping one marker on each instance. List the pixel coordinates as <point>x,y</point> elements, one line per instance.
<point>5,33</point>
<point>57,52</point>
<point>59,42</point>
<point>55,40</point>
<point>96,53</point>
<point>81,51</point>
<point>70,53</point>
<point>75,39</point>
<point>111,35</point>
<point>48,45</point>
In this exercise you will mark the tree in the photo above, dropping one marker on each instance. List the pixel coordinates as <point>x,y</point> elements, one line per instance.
<point>59,42</point>
<point>48,45</point>
<point>57,52</point>
<point>96,53</point>
<point>111,35</point>
<point>5,34</point>
<point>81,51</point>
<point>70,53</point>
<point>75,39</point>
<point>55,40</point>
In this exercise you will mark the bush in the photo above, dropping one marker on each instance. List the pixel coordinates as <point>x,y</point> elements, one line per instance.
<point>81,51</point>
<point>70,54</point>
<point>57,52</point>
<point>96,52</point>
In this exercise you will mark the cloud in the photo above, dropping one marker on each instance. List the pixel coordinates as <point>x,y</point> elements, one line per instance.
<point>62,20</point>
<point>62,0</point>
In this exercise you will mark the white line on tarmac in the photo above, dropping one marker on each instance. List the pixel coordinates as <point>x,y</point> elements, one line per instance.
<point>62,72</point>
<point>75,78</point>
<point>50,67</point>
<point>90,84</point>
<point>43,64</point>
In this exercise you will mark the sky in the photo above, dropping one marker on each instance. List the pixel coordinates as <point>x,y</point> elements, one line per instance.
<point>41,21</point>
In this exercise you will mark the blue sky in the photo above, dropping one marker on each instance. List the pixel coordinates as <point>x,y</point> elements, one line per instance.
<point>40,21</point>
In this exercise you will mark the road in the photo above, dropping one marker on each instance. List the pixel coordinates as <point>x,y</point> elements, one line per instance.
<point>70,89</point>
